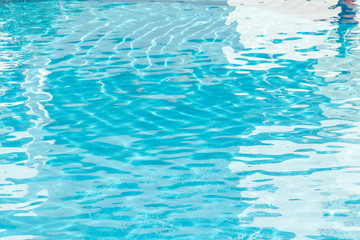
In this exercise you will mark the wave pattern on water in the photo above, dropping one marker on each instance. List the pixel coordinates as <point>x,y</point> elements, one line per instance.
<point>137,119</point>
<point>120,136</point>
<point>300,173</point>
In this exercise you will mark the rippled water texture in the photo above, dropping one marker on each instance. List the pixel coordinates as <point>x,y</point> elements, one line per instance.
<point>179,120</point>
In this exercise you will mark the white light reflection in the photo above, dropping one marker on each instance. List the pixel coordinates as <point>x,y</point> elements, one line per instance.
<point>34,83</point>
<point>302,186</point>
<point>28,196</point>
<point>291,195</point>
<point>277,27</point>
<point>19,237</point>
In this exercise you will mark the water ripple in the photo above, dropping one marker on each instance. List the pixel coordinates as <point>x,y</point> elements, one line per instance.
<point>194,120</point>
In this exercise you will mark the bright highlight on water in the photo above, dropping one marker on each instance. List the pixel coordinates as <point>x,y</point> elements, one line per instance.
<point>179,119</point>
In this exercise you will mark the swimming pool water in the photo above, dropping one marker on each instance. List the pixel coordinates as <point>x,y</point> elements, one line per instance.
<point>178,120</point>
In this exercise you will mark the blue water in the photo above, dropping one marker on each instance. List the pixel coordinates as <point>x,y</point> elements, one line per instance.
<point>177,120</point>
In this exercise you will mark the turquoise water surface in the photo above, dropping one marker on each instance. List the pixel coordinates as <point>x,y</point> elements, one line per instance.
<point>177,120</point>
